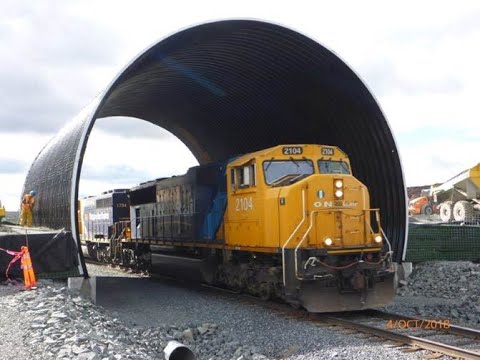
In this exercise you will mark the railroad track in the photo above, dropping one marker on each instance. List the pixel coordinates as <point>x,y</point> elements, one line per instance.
<point>95,262</point>
<point>439,337</point>
<point>120,268</point>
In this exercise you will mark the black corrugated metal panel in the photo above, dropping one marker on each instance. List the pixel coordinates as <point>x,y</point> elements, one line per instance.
<point>231,87</point>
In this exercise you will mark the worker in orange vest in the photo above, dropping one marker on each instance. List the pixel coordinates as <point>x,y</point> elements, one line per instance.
<point>26,265</point>
<point>28,201</point>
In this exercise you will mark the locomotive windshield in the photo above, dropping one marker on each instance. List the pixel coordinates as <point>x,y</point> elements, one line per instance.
<point>279,171</point>
<point>333,167</point>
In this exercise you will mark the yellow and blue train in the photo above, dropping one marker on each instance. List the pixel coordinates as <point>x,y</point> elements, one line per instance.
<point>288,222</point>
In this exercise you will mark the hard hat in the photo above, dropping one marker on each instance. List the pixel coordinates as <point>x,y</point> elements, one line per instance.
<point>33,193</point>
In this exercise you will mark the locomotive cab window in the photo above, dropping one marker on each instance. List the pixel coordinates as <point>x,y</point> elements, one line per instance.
<point>243,176</point>
<point>286,172</point>
<point>333,167</point>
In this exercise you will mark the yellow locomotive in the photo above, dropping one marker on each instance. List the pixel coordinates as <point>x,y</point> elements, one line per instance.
<point>288,222</point>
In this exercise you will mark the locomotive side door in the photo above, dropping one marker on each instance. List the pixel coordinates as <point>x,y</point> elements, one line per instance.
<point>242,225</point>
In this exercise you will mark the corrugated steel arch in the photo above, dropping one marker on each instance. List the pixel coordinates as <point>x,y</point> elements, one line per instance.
<point>230,87</point>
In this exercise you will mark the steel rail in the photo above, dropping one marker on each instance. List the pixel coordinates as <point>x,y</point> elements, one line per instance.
<point>218,288</point>
<point>406,339</point>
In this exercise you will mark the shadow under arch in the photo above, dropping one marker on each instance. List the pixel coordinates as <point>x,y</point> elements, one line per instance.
<point>231,87</point>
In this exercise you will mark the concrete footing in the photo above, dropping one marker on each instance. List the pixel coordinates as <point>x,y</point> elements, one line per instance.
<point>404,270</point>
<point>86,287</point>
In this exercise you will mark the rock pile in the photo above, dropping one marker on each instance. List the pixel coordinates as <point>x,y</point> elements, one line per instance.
<point>60,324</point>
<point>56,323</point>
<point>451,291</point>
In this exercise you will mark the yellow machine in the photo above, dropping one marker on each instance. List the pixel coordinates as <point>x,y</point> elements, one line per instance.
<point>3,213</point>
<point>459,197</point>
<point>288,196</point>
<point>301,201</point>
<point>288,222</point>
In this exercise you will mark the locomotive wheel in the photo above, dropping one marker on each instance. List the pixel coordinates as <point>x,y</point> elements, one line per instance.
<point>446,211</point>
<point>265,291</point>
<point>209,269</point>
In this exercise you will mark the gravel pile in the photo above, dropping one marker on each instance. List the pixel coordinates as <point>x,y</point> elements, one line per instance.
<point>11,327</point>
<point>53,322</point>
<point>442,290</point>
<point>58,324</point>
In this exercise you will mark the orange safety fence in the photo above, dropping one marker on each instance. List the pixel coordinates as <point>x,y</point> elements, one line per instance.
<point>26,265</point>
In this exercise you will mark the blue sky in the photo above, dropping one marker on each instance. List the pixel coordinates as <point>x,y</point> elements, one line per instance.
<point>419,59</point>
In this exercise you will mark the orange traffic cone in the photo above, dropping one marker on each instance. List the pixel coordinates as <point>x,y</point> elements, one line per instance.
<point>28,274</point>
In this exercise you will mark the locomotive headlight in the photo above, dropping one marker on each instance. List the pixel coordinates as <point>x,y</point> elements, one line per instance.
<point>338,193</point>
<point>338,184</point>
<point>378,239</point>
<point>328,241</point>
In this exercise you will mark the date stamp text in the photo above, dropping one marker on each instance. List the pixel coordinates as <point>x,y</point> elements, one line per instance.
<point>423,324</point>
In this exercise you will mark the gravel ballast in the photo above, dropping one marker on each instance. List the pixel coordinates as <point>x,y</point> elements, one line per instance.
<point>442,291</point>
<point>53,322</point>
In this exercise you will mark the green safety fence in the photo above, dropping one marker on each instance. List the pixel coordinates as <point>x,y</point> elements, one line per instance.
<point>428,242</point>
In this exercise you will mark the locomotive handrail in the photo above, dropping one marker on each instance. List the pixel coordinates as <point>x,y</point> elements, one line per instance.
<point>377,218</point>
<point>314,212</point>
<point>112,240</point>
<point>380,229</point>
<point>118,232</point>
<point>364,211</point>
<point>291,236</point>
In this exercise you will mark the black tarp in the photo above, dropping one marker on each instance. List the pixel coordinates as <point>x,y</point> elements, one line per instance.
<point>50,252</point>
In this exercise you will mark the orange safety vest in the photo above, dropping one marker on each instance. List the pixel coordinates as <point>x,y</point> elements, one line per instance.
<point>28,201</point>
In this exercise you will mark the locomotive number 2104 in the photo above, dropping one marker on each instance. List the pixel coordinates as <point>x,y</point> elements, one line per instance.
<point>244,204</point>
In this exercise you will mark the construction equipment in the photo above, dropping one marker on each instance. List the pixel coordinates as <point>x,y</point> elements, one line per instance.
<point>457,199</point>
<point>3,212</point>
<point>421,205</point>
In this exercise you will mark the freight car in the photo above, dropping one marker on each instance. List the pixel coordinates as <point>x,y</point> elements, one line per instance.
<point>288,222</point>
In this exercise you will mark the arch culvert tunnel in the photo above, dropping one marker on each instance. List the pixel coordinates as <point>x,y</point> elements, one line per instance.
<point>231,87</point>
